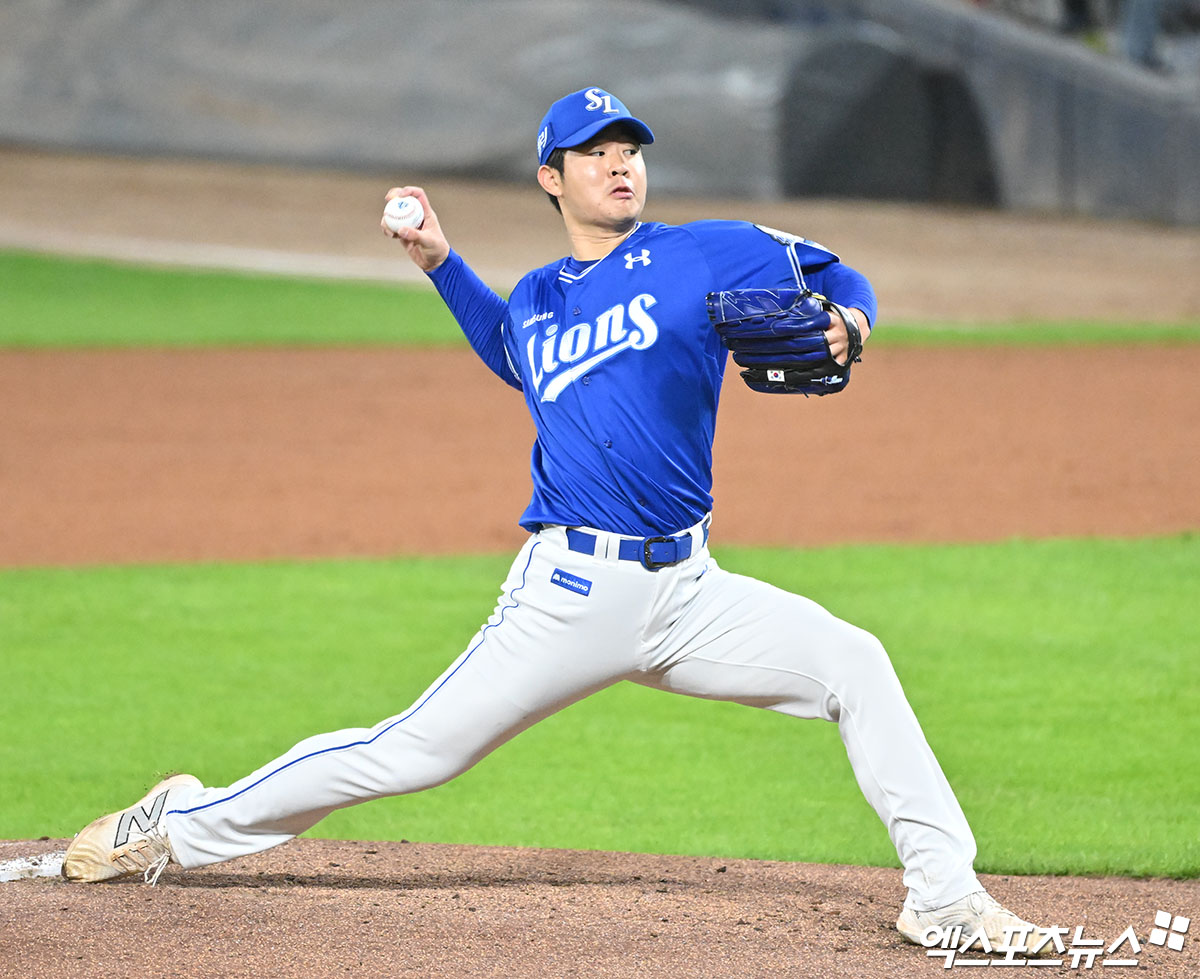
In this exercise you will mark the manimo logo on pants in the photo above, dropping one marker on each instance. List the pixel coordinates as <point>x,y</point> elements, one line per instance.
<point>564,579</point>
<point>557,358</point>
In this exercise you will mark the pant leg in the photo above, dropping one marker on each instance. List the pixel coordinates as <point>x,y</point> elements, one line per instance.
<point>543,648</point>
<point>743,640</point>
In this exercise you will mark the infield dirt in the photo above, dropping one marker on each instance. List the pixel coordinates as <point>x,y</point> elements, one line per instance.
<point>189,455</point>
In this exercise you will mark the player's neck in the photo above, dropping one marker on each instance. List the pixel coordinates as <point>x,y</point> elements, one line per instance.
<point>591,243</point>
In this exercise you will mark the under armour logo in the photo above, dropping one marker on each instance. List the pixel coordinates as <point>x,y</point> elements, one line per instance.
<point>644,258</point>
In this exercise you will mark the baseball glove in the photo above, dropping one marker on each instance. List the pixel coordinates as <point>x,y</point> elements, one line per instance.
<point>778,336</point>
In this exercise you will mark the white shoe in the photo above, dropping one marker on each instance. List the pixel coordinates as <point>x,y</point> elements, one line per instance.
<point>977,912</point>
<point>129,841</point>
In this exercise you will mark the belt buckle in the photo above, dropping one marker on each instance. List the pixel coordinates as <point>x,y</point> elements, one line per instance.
<point>648,562</point>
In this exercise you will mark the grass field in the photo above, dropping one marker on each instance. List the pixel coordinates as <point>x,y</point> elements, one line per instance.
<point>1057,680</point>
<point>60,302</point>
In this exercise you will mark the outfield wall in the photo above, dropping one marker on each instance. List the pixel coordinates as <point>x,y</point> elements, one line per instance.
<point>894,99</point>
<point>421,86</point>
<point>1072,130</point>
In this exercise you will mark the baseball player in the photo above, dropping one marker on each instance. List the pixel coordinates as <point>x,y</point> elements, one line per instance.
<point>619,350</point>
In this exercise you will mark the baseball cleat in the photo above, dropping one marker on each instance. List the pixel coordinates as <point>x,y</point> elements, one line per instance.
<point>129,841</point>
<point>975,913</point>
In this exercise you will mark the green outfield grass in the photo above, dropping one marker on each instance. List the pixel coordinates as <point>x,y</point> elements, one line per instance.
<point>48,301</point>
<point>61,302</point>
<point>1058,682</point>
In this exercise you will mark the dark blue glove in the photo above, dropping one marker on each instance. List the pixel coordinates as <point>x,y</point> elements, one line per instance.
<point>778,336</point>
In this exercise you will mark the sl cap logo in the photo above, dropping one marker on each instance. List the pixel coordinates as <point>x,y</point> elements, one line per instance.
<point>597,97</point>
<point>644,258</point>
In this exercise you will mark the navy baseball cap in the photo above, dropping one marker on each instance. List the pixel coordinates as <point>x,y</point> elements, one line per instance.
<point>577,117</point>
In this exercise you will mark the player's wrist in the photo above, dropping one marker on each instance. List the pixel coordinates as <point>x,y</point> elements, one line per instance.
<point>864,324</point>
<point>444,264</point>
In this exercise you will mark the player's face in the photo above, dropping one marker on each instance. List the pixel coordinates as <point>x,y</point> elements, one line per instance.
<point>603,183</point>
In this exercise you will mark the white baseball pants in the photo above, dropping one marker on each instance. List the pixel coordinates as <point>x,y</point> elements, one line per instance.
<point>568,624</point>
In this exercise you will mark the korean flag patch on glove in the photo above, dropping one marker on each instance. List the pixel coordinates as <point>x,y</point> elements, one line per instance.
<point>778,337</point>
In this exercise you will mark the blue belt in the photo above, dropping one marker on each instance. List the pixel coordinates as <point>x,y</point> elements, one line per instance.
<point>652,552</point>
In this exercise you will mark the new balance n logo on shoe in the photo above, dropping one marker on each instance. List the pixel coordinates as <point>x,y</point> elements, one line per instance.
<point>140,818</point>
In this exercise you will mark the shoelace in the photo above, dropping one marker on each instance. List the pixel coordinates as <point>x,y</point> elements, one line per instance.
<point>151,843</point>
<point>991,904</point>
<point>155,869</point>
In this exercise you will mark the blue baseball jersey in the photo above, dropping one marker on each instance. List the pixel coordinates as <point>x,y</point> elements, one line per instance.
<point>621,368</point>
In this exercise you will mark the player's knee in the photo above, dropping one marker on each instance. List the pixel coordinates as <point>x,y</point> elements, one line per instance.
<point>874,657</point>
<point>872,652</point>
<point>865,666</point>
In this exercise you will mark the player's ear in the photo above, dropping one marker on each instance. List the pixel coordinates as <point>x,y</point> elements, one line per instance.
<point>550,180</point>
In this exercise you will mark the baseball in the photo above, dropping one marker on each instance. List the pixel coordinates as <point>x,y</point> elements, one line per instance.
<point>403,212</point>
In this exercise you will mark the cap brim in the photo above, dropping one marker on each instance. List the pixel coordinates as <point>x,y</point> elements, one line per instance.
<point>640,129</point>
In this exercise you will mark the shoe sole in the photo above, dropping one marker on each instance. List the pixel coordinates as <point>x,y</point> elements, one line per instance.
<point>89,856</point>
<point>911,930</point>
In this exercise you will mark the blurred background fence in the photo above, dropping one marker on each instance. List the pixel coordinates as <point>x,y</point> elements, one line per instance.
<point>938,100</point>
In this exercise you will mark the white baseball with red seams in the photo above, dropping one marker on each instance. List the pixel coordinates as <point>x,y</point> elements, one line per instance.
<point>403,212</point>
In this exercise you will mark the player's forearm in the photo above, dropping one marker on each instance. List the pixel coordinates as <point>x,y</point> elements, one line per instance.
<point>847,287</point>
<point>478,310</point>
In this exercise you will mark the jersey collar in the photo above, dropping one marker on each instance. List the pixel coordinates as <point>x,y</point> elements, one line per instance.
<point>572,270</point>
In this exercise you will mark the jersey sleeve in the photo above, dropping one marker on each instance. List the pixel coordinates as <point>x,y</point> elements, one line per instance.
<point>741,255</point>
<point>480,313</point>
<point>845,286</point>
